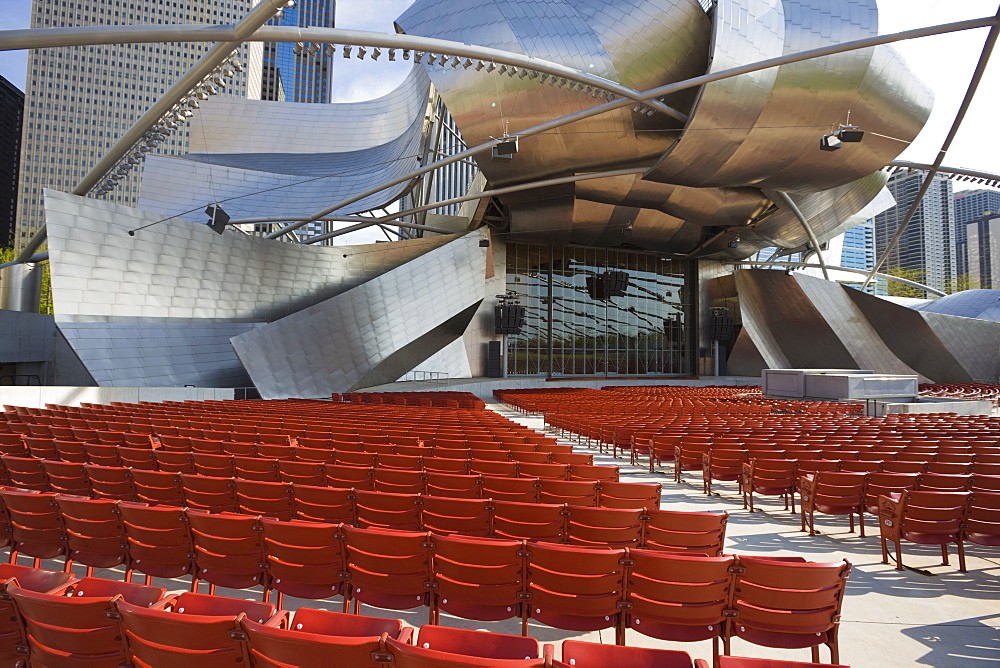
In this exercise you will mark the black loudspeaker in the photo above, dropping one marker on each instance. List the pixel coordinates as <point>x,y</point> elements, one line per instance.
<point>217,218</point>
<point>720,328</point>
<point>615,283</point>
<point>494,361</point>
<point>508,319</point>
<point>607,285</point>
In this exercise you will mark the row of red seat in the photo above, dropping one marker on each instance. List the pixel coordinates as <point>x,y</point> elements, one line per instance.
<point>657,594</point>
<point>140,465</point>
<point>652,401</point>
<point>777,473</point>
<point>232,456</point>
<point>290,413</point>
<point>690,454</point>
<point>443,399</point>
<point>54,619</point>
<point>961,391</point>
<point>145,435</point>
<point>165,481</point>
<point>339,421</point>
<point>44,525</point>
<point>122,433</point>
<point>938,518</point>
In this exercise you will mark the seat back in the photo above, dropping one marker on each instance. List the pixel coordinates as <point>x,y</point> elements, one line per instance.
<point>95,535</point>
<point>228,549</point>
<point>305,559</point>
<point>781,603</point>
<point>158,539</point>
<point>685,532</point>
<point>196,633</point>
<point>678,597</point>
<point>79,627</point>
<point>388,569</point>
<point>574,588</point>
<point>467,517</point>
<point>478,579</point>
<point>324,504</point>
<point>614,527</point>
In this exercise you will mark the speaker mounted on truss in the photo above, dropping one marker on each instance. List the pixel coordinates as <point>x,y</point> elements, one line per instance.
<point>607,285</point>
<point>508,315</point>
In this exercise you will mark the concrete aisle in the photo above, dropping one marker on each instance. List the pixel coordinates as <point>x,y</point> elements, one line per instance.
<point>890,618</point>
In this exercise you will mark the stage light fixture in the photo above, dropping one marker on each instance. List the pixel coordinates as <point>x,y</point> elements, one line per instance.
<point>829,143</point>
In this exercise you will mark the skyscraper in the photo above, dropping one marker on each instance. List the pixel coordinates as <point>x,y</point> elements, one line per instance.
<point>927,246</point>
<point>969,206</point>
<point>983,248</point>
<point>80,100</point>
<point>11,115</point>
<point>288,72</point>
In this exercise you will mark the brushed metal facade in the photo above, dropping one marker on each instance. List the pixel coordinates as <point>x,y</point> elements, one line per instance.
<point>375,332</point>
<point>805,322</point>
<point>159,308</point>
<point>744,135</point>
<point>274,159</point>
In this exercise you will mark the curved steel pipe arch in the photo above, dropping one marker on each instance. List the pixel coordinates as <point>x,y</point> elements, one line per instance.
<point>666,90</point>
<point>19,39</point>
<point>89,35</point>
<point>257,17</point>
<point>794,208</point>
<point>863,272</point>
<point>989,177</point>
<point>486,193</point>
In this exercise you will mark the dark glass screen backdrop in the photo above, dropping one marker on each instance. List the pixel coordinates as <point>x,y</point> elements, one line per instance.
<point>569,331</point>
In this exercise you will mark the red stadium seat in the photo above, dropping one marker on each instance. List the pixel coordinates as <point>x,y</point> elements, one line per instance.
<point>190,631</point>
<point>388,569</point>
<point>158,539</point>
<point>95,536</point>
<point>600,655</point>
<point>305,559</point>
<point>323,504</point>
<point>76,625</point>
<point>575,589</point>
<point>228,550</point>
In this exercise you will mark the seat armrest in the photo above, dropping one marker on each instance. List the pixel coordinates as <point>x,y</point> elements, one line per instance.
<point>406,635</point>
<point>167,603</point>
<point>279,620</point>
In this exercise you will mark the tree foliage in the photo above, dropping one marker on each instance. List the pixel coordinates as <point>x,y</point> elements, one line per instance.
<point>45,305</point>
<point>961,283</point>
<point>896,289</point>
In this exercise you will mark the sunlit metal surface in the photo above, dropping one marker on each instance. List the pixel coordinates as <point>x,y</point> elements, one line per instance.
<point>639,43</point>
<point>801,321</point>
<point>158,309</point>
<point>375,332</point>
<point>271,156</point>
<point>744,136</point>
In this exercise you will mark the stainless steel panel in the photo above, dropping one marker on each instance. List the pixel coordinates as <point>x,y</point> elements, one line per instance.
<point>374,332</point>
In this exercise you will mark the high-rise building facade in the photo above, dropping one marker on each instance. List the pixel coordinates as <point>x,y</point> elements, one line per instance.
<point>971,205</point>
<point>983,251</point>
<point>927,246</point>
<point>11,115</point>
<point>294,72</point>
<point>80,100</point>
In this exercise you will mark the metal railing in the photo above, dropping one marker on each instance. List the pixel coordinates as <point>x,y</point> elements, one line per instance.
<point>422,376</point>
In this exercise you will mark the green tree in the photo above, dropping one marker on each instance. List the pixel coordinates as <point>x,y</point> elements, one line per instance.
<point>8,254</point>
<point>961,283</point>
<point>897,289</point>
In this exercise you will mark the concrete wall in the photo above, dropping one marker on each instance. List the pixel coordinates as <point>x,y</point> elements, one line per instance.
<point>37,397</point>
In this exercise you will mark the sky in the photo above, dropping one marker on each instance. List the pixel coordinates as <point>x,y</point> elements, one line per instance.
<point>944,62</point>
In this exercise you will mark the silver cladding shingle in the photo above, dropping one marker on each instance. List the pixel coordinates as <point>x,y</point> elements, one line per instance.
<point>330,347</point>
